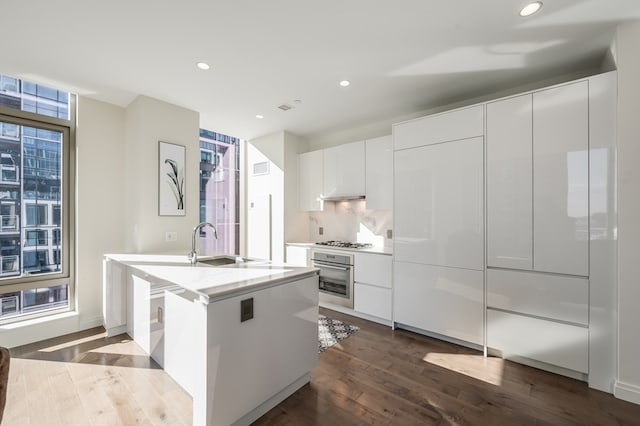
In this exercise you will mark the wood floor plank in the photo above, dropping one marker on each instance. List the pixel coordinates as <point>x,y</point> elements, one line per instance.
<point>377,376</point>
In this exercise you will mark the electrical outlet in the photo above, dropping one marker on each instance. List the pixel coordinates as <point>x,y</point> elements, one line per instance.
<point>171,236</point>
<point>389,234</point>
<point>320,230</point>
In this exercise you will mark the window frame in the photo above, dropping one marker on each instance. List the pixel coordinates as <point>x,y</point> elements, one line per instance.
<point>66,275</point>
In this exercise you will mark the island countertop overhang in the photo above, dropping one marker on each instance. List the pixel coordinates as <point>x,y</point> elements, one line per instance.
<point>212,283</point>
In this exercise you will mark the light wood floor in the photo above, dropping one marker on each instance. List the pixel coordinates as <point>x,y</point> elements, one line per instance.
<point>375,377</point>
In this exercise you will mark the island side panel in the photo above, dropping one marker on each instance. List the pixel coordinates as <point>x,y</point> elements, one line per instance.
<point>250,363</point>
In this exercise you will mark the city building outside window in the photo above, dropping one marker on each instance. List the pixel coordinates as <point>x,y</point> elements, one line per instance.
<point>220,192</point>
<point>36,144</point>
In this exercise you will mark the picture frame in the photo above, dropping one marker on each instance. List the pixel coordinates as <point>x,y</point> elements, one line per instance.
<point>171,179</point>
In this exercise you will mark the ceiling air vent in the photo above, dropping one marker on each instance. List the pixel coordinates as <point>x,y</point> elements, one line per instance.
<point>285,107</point>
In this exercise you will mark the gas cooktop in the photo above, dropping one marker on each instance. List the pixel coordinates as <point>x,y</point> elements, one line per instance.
<point>344,244</point>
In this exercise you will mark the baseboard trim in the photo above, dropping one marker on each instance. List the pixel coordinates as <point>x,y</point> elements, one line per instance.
<point>627,392</point>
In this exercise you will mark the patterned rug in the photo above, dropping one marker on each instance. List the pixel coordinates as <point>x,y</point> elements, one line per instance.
<point>331,331</point>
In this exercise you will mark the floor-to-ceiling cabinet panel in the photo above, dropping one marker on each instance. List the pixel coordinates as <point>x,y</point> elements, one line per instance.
<point>509,183</point>
<point>561,179</point>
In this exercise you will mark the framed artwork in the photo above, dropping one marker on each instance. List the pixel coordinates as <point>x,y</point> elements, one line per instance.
<point>171,187</point>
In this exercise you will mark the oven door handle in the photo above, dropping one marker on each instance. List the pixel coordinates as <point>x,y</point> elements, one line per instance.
<point>322,265</point>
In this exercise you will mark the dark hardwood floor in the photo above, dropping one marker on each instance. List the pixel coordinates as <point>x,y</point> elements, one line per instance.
<point>375,377</point>
<point>383,377</point>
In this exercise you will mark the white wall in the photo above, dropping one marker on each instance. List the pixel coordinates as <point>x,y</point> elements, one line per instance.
<point>100,182</point>
<point>295,221</point>
<point>627,42</point>
<point>147,122</point>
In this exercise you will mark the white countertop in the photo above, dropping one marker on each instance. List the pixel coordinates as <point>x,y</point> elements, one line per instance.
<point>375,250</point>
<point>212,282</point>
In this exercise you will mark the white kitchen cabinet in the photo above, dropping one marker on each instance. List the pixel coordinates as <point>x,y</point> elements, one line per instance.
<point>556,297</point>
<point>509,183</point>
<point>310,181</point>
<point>298,255</point>
<point>344,170</point>
<point>453,125</point>
<point>561,179</point>
<point>372,287</point>
<point>379,173</point>
<point>554,343</point>
<point>446,301</point>
<point>438,206</point>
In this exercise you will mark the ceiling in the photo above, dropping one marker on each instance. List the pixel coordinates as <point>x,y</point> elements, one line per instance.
<point>400,56</point>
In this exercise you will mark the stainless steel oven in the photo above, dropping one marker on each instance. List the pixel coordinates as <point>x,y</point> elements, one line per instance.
<point>336,277</point>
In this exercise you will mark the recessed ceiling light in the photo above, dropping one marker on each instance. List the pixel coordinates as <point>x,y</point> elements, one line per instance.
<point>531,8</point>
<point>202,65</point>
<point>259,116</point>
<point>345,83</point>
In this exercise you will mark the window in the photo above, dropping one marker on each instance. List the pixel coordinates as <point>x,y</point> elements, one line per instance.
<point>220,191</point>
<point>8,84</point>
<point>36,189</point>
<point>36,214</point>
<point>36,238</point>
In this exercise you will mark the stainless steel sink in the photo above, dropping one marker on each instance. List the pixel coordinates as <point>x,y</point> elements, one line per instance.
<point>223,260</point>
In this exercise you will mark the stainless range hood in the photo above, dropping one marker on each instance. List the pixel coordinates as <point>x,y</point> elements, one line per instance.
<point>344,198</point>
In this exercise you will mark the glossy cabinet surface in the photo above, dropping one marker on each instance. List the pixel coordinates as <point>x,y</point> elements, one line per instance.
<point>509,183</point>
<point>438,207</point>
<point>550,342</point>
<point>557,297</point>
<point>446,301</point>
<point>448,126</point>
<point>561,179</point>
<point>114,298</point>
<point>373,283</point>
<point>373,269</point>
<point>344,170</point>
<point>379,173</point>
<point>310,181</point>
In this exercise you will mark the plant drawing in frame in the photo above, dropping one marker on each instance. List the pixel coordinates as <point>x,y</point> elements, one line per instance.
<point>171,185</point>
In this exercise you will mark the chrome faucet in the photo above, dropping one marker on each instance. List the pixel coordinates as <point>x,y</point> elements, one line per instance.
<point>193,255</point>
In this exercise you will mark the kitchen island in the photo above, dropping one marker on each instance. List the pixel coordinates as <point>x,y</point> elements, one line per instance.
<point>239,338</point>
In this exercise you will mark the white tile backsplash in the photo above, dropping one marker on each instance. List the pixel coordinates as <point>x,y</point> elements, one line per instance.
<point>351,221</point>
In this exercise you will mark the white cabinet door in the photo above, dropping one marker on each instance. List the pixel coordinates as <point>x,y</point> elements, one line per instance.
<point>447,301</point>
<point>462,123</point>
<point>509,183</point>
<point>310,181</point>
<point>551,342</point>
<point>372,300</point>
<point>374,269</point>
<point>438,208</point>
<point>297,255</point>
<point>561,179</point>
<point>344,170</point>
<point>379,173</point>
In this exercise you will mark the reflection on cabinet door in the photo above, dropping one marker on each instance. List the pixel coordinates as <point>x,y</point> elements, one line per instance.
<point>379,173</point>
<point>447,301</point>
<point>310,181</point>
<point>438,210</point>
<point>509,180</point>
<point>561,179</point>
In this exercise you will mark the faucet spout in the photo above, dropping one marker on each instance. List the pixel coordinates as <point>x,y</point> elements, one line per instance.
<point>193,255</point>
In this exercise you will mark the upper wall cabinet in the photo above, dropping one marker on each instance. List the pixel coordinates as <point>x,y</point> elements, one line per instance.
<point>310,181</point>
<point>344,171</point>
<point>379,173</point>
<point>447,126</point>
<point>509,183</point>
<point>561,179</point>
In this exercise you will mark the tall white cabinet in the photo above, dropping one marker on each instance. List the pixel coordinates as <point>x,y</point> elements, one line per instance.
<point>536,173</point>
<point>439,224</point>
<point>310,172</point>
